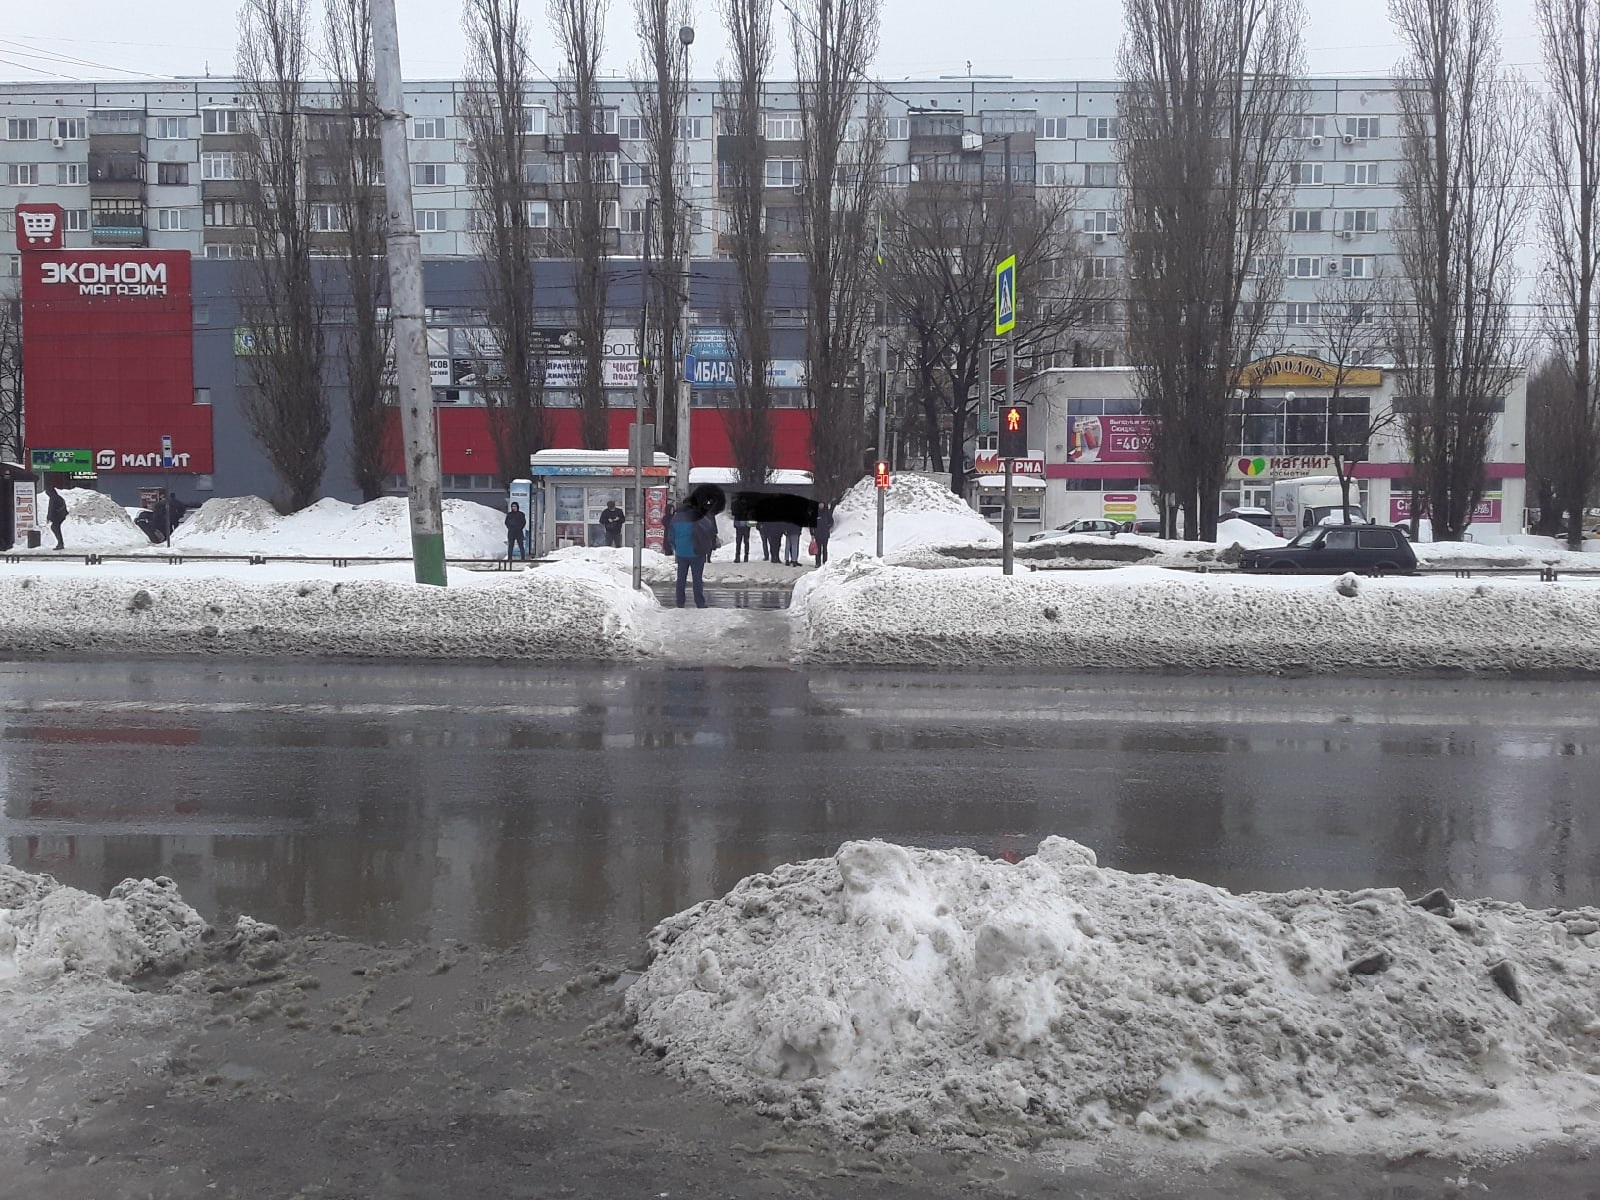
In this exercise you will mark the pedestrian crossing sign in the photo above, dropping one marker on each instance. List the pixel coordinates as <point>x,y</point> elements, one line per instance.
<point>1005,296</point>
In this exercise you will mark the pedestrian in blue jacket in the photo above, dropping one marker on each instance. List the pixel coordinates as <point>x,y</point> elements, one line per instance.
<point>694,537</point>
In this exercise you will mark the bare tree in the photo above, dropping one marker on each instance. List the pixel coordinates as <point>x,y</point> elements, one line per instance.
<point>11,378</point>
<point>741,162</point>
<point>510,367</point>
<point>579,27</point>
<point>662,85</point>
<point>1462,121</point>
<point>287,406</point>
<point>835,42</point>
<point>1569,162</point>
<point>1212,97</point>
<point>1351,340</point>
<point>1549,396</point>
<point>355,163</point>
<point>945,233</point>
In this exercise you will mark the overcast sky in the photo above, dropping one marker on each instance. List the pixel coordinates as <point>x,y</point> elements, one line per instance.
<point>118,39</point>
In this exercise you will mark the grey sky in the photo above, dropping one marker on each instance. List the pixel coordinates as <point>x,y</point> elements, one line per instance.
<point>113,39</point>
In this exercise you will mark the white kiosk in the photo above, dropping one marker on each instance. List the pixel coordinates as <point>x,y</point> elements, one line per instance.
<point>572,487</point>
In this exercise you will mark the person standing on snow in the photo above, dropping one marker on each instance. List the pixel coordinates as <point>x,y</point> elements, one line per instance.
<point>611,524</point>
<point>694,537</point>
<point>516,538</point>
<point>822,530</point>
<point>55,512</point>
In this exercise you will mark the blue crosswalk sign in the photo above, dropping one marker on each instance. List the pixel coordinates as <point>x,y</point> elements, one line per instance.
<point>1005,296</point>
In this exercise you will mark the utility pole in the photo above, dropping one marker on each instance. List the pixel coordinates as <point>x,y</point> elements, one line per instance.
<point>684,384</point>
<point>405,292</point>
<point>640,444</point>
<point>1007,532</point>
<point>883,375</point>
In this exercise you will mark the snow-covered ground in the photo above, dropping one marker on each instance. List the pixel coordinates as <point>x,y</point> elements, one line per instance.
<point>908,995</point>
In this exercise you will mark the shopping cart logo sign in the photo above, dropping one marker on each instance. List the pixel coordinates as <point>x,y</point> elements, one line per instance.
<point>40,226</point>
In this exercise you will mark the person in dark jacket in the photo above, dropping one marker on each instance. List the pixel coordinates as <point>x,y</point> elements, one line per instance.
<point>693,538</point>
<point>771,538</point>
<point>822,530</point>
<point>516,532</point>
<point>55,512</point>
<point>611,524</point>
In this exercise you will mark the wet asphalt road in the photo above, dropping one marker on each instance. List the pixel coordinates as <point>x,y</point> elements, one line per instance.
<point>563,811</point>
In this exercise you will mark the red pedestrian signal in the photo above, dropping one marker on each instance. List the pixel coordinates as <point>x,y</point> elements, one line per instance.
<point>1013,432</point>
<point>880,475</point>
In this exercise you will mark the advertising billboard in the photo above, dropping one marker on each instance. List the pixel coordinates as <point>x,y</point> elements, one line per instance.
<point>108,357</point>
<point>1110,439</point>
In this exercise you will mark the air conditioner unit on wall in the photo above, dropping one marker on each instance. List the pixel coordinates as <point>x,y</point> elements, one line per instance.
<point>1345,234</point>
<point>1317,140</point>
<point>58,142</point>
<point>1349,139</point>
<point>1333,266</point>
<point>1099,236</point>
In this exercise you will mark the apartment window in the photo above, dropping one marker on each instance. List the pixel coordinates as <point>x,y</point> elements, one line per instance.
<point>428,174</point>
<point>13,266</point>
<point>327,218</point>
<point>1101,267</point>
<point>535,120</point>
<point>1305,220</point>
<point>1361,127</point>
<point>22,129</point>
<point>1301,313</point>
<point>602,166</point>
<point>168,220</point>
<point>630,129</point>
<point>172,174</point>
<point>1313,127</point>
<point>219,120</point>
<point>1361,174</point>
<point>22,174</point>
<point>634,175</point>
<point>1102,129</point>
<point>896,129</point>
<point>70,173</point>
<point>1054,174</point>
<point>229,250</point>
<point>1102,222</point>
<point>1009,122</point>
<point>786,128</point>
<point>538,214</point>
<point>202,395</point>
<point>1303,267</point>
<point>899,175</point>
<point>691,129</point>
<point>1359,220</point>
<point>1359,266</point>
<point>781,220</point>
<point>1307,174</point>
<point>1099,174</point>
<point>633,220</point>
<point>1054,128</point>
<point>172,127</point>
<point>603,120</point>
<point>77,220</point>
<point>225,214</point>
<point>785,172</point>
<point>427,128</point>
<point>1100,313</point>
<point>430,220</point>
<point>219,165</point>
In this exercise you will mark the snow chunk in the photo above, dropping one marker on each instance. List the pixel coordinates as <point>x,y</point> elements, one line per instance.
<point>143,926</point>
<point>896,992</point>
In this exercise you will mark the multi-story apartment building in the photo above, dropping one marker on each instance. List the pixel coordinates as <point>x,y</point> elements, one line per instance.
<point>158,165</point>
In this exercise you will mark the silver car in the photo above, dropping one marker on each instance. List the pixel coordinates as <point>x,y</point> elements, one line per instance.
<point>1091,526</point>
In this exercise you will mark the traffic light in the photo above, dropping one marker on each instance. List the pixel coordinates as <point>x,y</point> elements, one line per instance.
<point>1013,431</point>
<point>880,475</point>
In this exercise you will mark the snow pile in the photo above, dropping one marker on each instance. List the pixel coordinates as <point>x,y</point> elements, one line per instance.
<point>656,567</point>
<point>575,613</point>
<point>1145,618</point>
<point>918,513</point>
<point>1234,532</point>
<point>48,930</point>
<point>891,991</point>
<point>95,522</point>
<point>378,529</point>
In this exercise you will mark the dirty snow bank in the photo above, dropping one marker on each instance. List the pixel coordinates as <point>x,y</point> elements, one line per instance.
<point>893,993</point>
<point>574,612</point>
<point>1145,618</point>
<point>918,513</point>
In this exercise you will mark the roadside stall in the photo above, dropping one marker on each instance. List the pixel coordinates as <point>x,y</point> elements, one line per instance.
<point>571,488</point>
<point>19,523</point>
<point>1027,497</point>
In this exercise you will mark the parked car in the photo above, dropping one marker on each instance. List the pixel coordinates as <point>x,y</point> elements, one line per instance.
<point>1093,526</point>
<point>1149,526</point>
<point>1335,549</point>
<point>1256,516</point>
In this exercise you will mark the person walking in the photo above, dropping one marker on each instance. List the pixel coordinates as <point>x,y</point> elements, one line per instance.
<point>516,538</point>
<point>611,524</point>
<point>694,537</point>
<point>55,512</point>
<point>821,531</point>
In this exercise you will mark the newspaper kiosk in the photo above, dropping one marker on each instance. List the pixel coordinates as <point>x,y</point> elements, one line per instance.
<point>572,487</point>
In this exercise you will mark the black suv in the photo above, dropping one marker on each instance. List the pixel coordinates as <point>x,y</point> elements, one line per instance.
<point>1335,549</point>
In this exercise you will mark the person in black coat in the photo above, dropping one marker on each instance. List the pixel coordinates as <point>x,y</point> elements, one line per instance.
<point>822,530</point>
<point>55,512</point>
<point>611,524</point>
<point>516,532</point>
